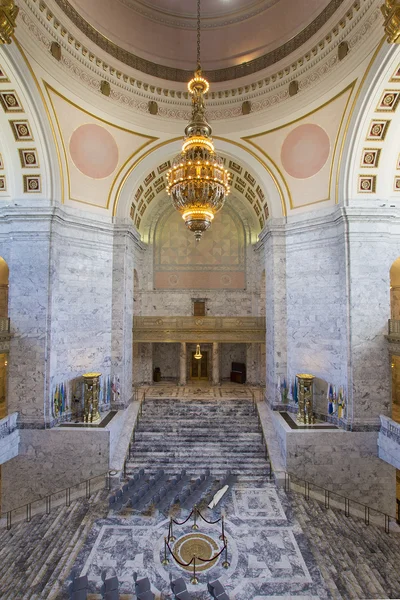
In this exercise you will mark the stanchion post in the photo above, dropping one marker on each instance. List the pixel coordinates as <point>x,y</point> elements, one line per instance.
<point>194,580</point>
<point>195,526</point>
<point>172,538</point>
<point>226,564</point>
<point>165,560</point>
<point>222,536</point>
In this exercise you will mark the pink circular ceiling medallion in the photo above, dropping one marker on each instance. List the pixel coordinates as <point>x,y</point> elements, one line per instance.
<point>305,151</point>
<point>94,151</point>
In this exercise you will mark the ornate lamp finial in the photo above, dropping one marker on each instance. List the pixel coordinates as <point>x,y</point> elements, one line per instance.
<point>391,14</point>
<point>8,15</point>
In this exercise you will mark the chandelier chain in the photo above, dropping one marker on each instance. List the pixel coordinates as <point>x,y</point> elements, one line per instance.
<point>198,32</point>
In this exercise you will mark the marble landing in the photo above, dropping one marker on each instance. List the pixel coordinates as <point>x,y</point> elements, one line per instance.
<point>200,391</point>
<point>268,553</point>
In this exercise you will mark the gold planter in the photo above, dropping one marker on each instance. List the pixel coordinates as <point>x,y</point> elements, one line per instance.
<point>305,414</point>
<point>91,397</point>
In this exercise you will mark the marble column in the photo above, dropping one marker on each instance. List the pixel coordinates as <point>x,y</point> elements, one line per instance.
<point>215,363</point>
<point>182,364</point>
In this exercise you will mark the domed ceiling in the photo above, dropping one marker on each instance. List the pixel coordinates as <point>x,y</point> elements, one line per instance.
<point>239,37</point>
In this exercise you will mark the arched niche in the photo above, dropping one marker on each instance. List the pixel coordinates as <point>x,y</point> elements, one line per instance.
<point>217,262</point>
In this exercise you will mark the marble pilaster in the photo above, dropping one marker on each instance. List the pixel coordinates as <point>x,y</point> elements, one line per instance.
<point>122,309</point>
<point>216,379</point>
<point>274,245</point>
<point>253,355</point>
<point>182,364</point>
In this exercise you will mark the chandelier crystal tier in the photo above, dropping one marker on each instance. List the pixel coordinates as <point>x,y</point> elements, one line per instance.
<point>198,181</point>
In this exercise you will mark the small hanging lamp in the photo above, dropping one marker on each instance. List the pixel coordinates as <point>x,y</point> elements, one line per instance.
<point>198,354</point>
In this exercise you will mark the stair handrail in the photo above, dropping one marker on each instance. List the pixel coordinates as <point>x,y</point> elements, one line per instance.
<point>135,425</point>
<point>67,490</point>
<point>327,497</point>
<point>47,497</point>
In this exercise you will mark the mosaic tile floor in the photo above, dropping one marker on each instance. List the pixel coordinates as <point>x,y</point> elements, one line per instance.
<point>268,554</point>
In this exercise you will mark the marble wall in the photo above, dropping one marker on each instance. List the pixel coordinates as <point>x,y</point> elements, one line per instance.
<point>166,357</point>
<point>389,442</point>
<point>273,253</point>
<point>51,460</point>
<point>25,245</point>
<point>342,461</point>
<point>81,299</point>
<point>327,305</point>
<point>230,353</point>
<point>316,304</point>
<point>142,363</point>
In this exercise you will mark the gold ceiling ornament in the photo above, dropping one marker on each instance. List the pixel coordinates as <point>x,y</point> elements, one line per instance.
<point>198,354</point>
<point>8,15</point>
<point>391,14</point>
<point>198,181</point>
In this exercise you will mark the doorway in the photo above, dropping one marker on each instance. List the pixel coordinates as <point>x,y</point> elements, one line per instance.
<point>199,367</point>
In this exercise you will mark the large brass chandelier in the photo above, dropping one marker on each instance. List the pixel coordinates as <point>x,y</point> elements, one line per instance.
<point>198,181</point>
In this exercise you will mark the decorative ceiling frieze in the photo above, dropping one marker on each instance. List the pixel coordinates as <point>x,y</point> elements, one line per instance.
<point>173,74</point>
<point>311,68</point>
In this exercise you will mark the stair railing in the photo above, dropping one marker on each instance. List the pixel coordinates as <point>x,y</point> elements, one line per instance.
<point>139,414</point>
<point>45,503</point>
<point>360,510</point>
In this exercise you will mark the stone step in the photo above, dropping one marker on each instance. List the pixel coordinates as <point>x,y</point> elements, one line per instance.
<point>191,446</point>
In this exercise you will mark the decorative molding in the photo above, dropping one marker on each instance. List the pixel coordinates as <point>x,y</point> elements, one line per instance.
<point>3,76</point>
<point>10,102</point>
<point>315,65</point>
<point>3,183</point>
<point>226,74</point>
<point>32,184</point>
<point>370,157</point>
<point>199,329</point>
<point>1,163</point>
<point>367,184</point>
<point>396,186</point>
<point>378,130</point>
<point>22,131</point>
<point>29,158</point>
<point>389,101</point>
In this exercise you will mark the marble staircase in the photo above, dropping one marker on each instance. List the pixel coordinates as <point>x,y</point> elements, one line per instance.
<point>196,434</point>
<point>356,561</point>
<point>37,557</point>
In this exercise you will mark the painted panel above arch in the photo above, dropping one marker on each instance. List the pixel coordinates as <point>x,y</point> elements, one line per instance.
<point>95,150</point>
<point>216,262</point>
<point>304,151</point>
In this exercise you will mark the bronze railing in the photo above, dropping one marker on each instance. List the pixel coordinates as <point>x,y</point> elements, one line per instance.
<point>394,327</point>
<point>84,488</point>
<point>4,326</point>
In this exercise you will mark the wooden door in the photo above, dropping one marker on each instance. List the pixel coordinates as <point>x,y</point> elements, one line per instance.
<point>199,367</point>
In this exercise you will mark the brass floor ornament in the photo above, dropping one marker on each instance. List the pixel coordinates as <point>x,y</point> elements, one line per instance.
<point>199,545</point>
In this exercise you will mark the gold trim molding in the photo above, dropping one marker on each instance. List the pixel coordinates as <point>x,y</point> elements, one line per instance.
<point>199,330</point>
